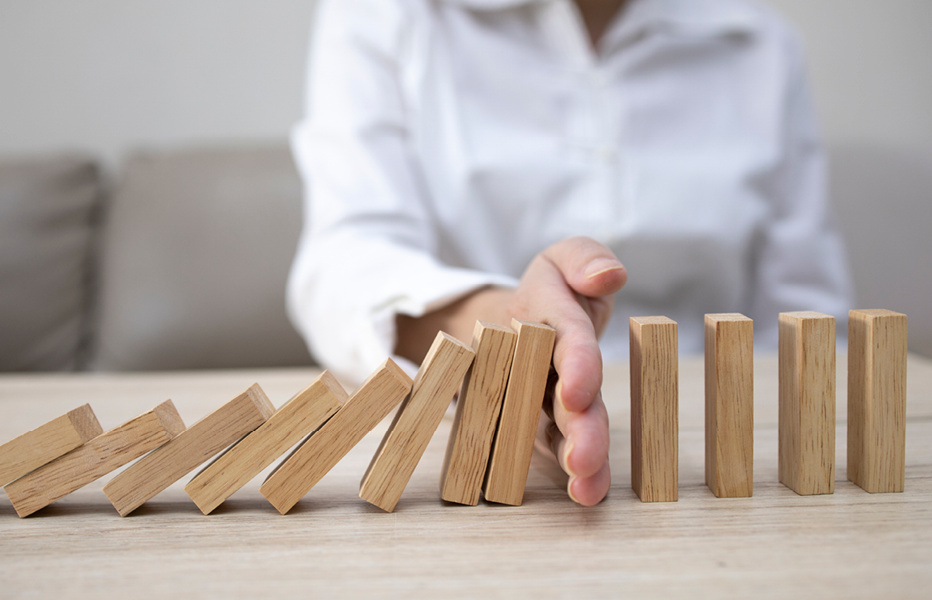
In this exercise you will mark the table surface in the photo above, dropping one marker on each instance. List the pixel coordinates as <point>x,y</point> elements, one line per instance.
<point>777,543</point>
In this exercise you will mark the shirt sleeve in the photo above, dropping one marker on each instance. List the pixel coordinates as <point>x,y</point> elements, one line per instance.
<point>801,263</point>
<point>369,241</point>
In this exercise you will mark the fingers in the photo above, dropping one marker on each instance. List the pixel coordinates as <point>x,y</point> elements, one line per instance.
<point>590,268</point>
<point>580,443</point>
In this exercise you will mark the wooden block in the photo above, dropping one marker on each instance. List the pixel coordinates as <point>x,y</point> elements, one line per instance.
<point>414,424</point>
<point>517,426</point>
<point>806,437</point>
<point>654,408</point>
<point>313,459</point>
<point>729,405</point>
<point>44,444</point>
<point>305,412</point>
<point>877,400</point>
<point>96,458</point>
<point>477,412</point>
<point>190,448</point>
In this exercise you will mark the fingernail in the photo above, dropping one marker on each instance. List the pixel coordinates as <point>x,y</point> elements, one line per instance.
<point>567,450</point>
<point>558,394</point>
<point>569,490</point>
<point>602,265</point>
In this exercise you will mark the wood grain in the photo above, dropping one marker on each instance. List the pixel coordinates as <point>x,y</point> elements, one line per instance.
<point>654,409</point>
<point>96,458</point>
<point>877,341</point>
<point>517,426</point>
<point>189,449</point>
<point>776,544</point>
<point>477,412</point>
<point>313,459</point>
<point>437,380</point>
<point>44,444</point>
<point>299,417</point>
<point>807,402</point>
<point>729,405</point>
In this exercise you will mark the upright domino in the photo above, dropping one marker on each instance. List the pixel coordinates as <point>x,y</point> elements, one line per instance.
<point>407,437</point>
<point>178,457</point>
<point>806,437</point>
<point>729,405</point>
<point>302,415</point>
<point>313,459</point>
<point>477,412</point>
<point>96,458</point>
<point>517,427</point>
<point>877,400</point>
<point>654,408</point>
<point>44,444</point>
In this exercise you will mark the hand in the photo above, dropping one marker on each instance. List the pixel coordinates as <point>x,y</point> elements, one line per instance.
<point>570,286</point>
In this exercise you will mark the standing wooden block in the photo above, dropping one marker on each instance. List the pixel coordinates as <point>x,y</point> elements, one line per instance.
<point>96,458</point>
<point>517,427</point>
<point>305,412</point>
<point>414,424</point>
<point>877,400</point>
<point>729,405</point>
<point>178,457</point>
<point>654,408</point>
<point>313,459</point>
<point>806,461</point>
<point>477,412</point>
<point>44,444</point>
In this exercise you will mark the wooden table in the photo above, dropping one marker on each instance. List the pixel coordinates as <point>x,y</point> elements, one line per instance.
<point>776,544</point>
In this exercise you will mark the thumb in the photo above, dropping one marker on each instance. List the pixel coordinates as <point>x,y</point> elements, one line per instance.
<point>590,268</point>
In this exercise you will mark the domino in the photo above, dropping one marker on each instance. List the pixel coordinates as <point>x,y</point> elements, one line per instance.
<point>520,414</point>
<point>654,408</point>
<point>477,412</point>
<point>729,405</point>
<point>414,424</point>
<point>313,459</point>
<point>183,453</point>
<point>806,419</point>
<point>303,414</point>
<point>877,400</point>
<point>44,444</point>
<point>96,458</point>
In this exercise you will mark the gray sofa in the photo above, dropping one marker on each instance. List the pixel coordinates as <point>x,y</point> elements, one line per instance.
<point>182,262</point>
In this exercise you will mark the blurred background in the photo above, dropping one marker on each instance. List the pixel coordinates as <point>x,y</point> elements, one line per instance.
<point>149,208</point>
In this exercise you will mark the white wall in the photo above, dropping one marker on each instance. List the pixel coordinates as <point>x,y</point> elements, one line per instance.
<point>111,75</point>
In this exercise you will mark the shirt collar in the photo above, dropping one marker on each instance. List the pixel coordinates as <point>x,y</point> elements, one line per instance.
<point>713,17</point>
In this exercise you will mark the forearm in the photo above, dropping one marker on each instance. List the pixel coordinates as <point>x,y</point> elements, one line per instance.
<point>415,334</point>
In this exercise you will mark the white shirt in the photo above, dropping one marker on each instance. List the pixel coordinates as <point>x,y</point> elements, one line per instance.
<point>447,142</point>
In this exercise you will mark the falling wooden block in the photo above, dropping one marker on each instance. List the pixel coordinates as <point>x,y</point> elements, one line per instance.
<point>300,416</point>
<point>806,460</point>
<point>517,426</point>
<point>477,412</point>
<point>877,400</point>
<point>414,424</point>
<point>654,408</point>
<point>96,458</point>
<point>729,405</point>
<point>44,444</point>
<point>190,448</point>
<point>313,459</point>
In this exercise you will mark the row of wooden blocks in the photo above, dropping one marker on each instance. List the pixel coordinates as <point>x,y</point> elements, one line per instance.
<point>877,346</point>
<point>489,449</point>
<point>491,441</point>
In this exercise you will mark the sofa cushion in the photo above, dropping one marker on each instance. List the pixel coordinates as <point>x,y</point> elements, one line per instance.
<point>197,247</point>
<point>48,210</point>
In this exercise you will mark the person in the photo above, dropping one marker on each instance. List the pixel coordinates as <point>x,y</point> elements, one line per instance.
<point>484,159</point>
